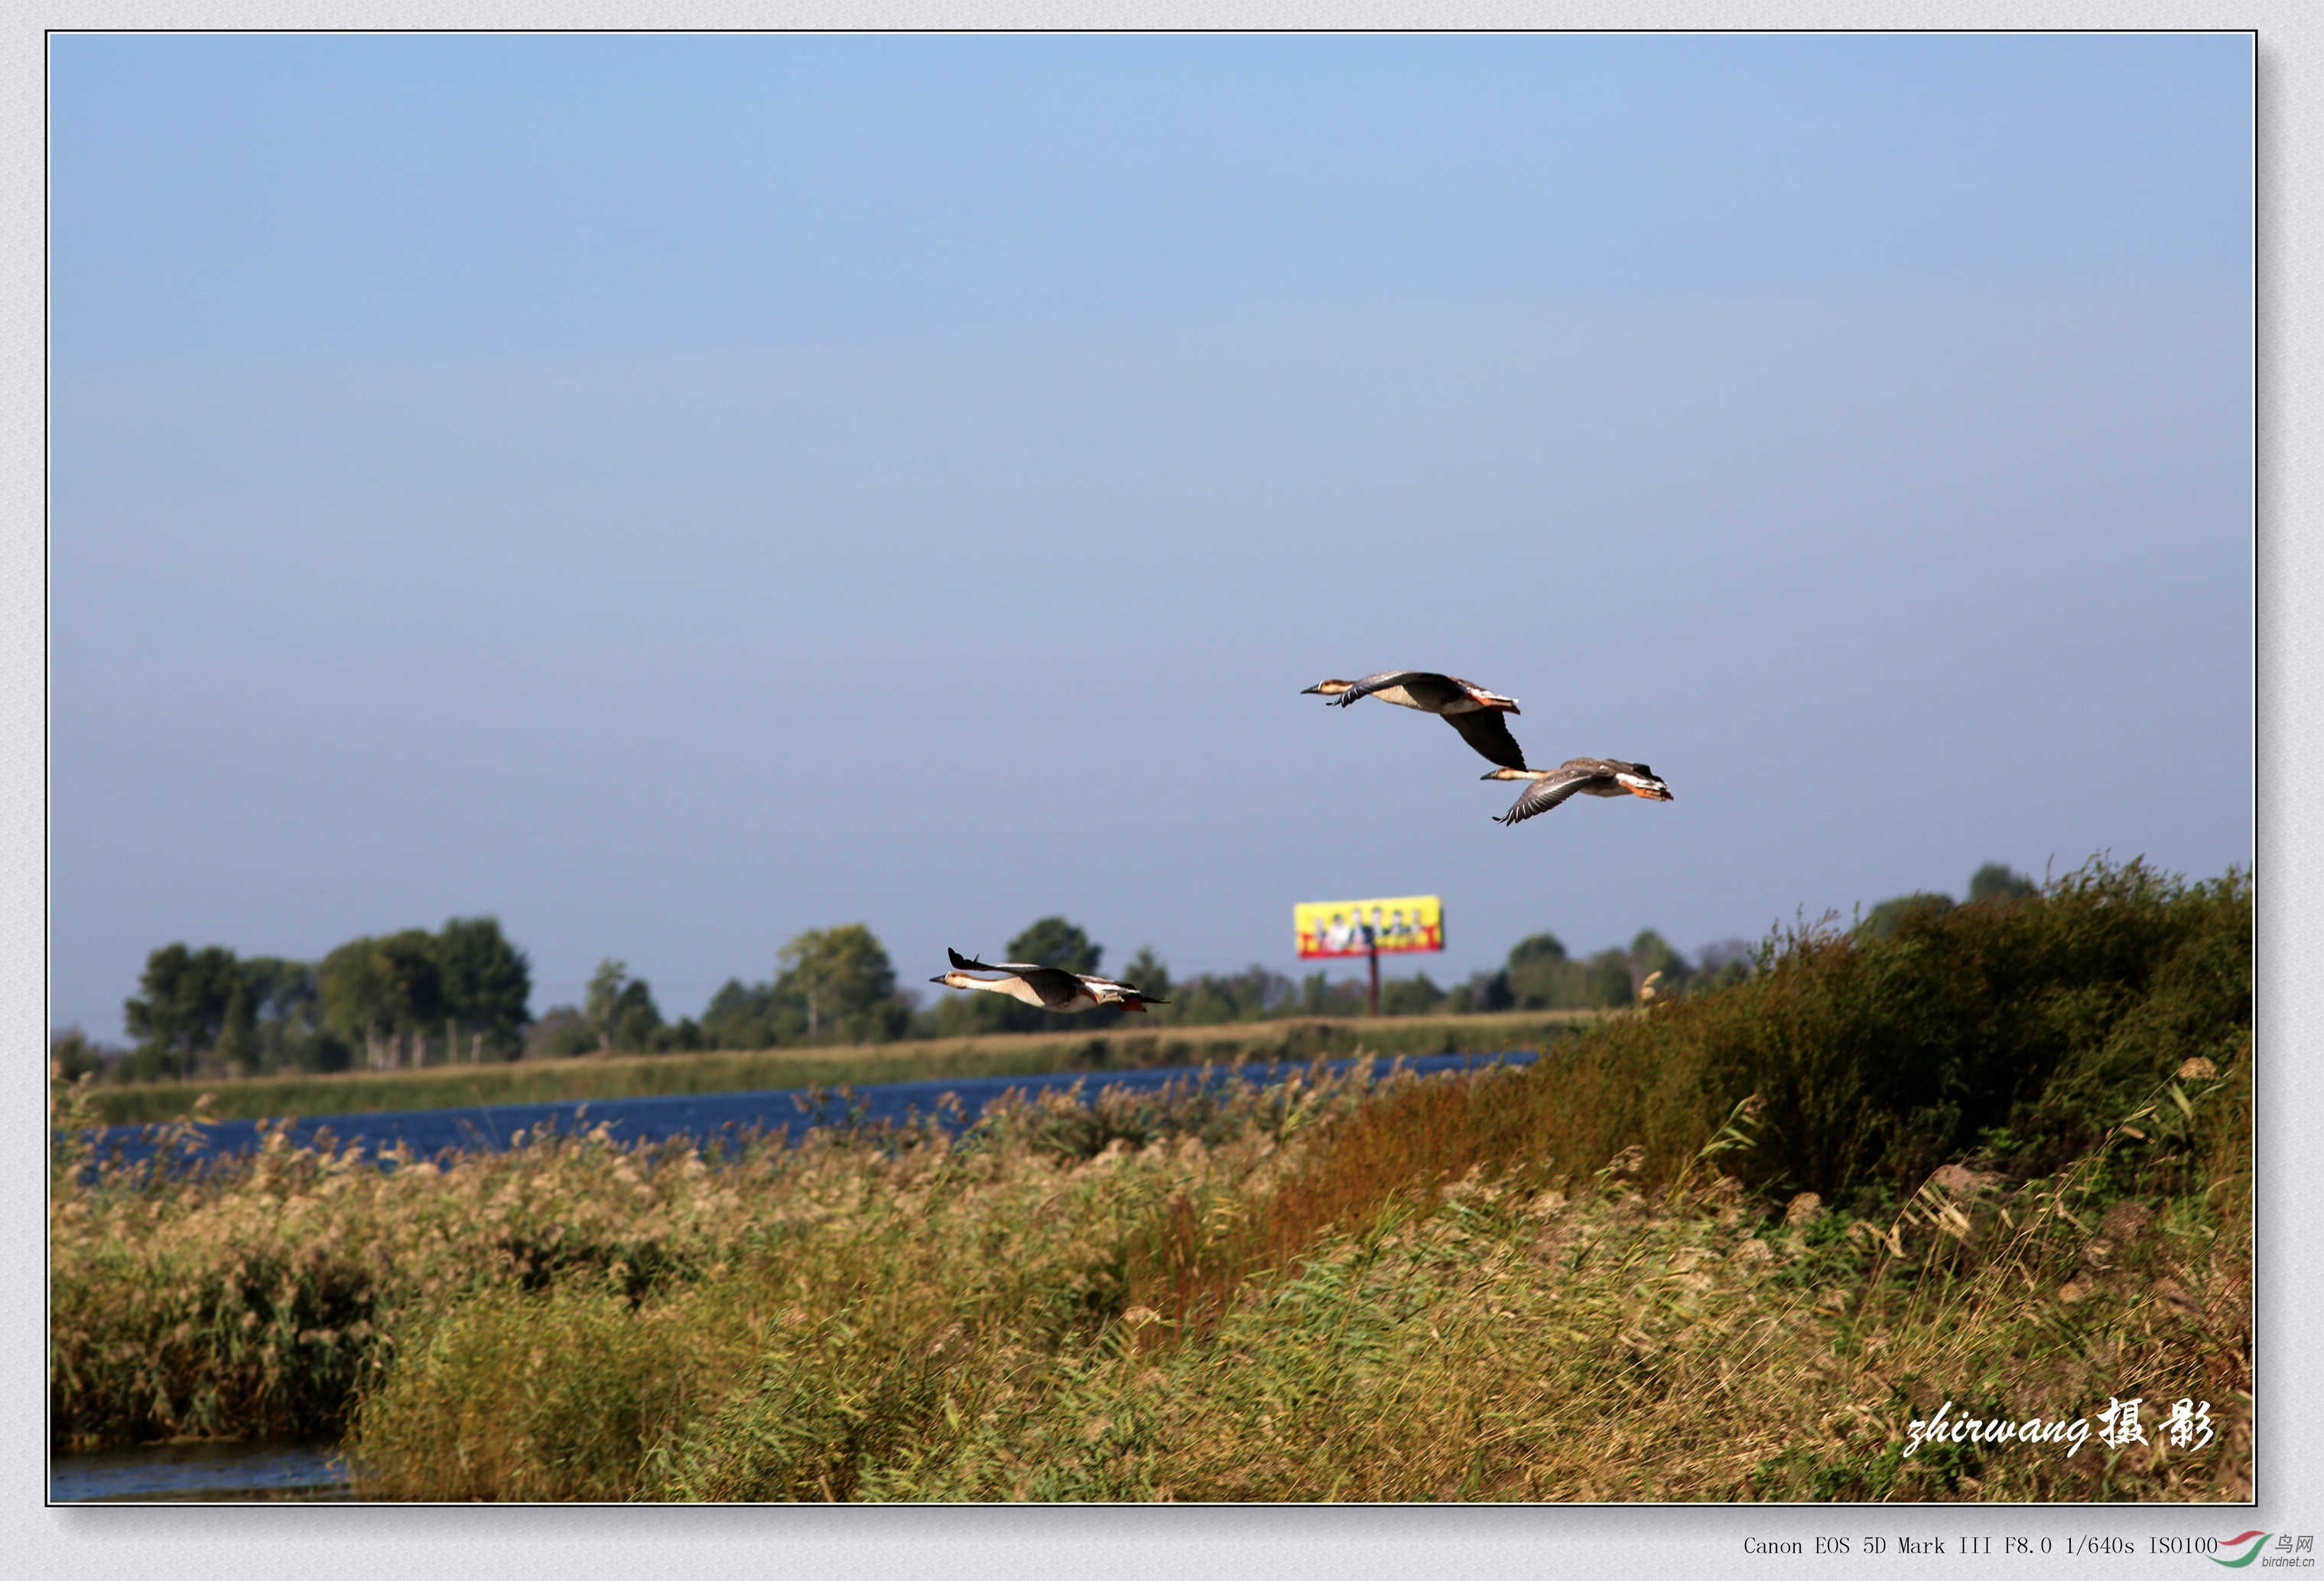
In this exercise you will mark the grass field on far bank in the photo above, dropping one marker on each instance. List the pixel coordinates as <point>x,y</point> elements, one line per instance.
<point>593,1078</point>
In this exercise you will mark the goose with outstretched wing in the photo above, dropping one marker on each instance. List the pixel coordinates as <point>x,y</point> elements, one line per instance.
<point>1465,705</point>
<point>1579,776</point>
<point>1045,987</point>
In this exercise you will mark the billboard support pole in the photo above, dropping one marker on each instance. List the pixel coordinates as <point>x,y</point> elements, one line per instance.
<point>1374,954</point>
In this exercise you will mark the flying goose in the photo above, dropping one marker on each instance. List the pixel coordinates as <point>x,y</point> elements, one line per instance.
<point>1046,987</point>
<point>1465,705</point>
<point>1588,776</point>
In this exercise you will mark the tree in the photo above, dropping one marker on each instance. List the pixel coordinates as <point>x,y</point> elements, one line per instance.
<point>620,1011</point>
<point>636,1018</point>
<point>1607,977</point>
<point>1054,942</point>
<point>560,1032</point>
<point>278,987</point>
<point>841,985</point>
<point>238,1044</point>
<point>1414,995</point>
<point>1484,990</point>
<point>383,993</point>
<point>1890,915</point>
<point>182,1007</point>
<point>741,1016</point>
<point>487,982</point>
<point>1722,965</point>
<point>289,1033</point>
<point>1319,995</point>
<point>1147,973</point>
<point>74,1055</point>
<point>1210,997</point>
<point>601,1005</point>
<point>1534,947</point>
<point>1541,977</point>
<point>1650,953</point>
<point>684,1035</point>
<point>1996,882</point>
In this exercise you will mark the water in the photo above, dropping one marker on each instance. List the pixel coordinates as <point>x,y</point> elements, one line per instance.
<point>176,1474</point>
<point>705,1117</point>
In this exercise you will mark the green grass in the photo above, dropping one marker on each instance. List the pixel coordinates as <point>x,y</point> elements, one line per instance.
<point>597,1077</point>
<point>2001,1157</point>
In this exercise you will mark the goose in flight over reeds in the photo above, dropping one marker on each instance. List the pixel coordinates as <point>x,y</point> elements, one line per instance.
<point>1582,776</point>
<point>1046,987</point>
<point>1465,705</point>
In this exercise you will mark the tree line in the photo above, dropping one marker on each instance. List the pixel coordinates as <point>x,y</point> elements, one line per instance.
<point>379,1003</point>
<point>461,993</point>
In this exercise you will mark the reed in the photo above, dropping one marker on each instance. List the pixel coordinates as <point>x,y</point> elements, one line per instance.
<point>962,1334</point>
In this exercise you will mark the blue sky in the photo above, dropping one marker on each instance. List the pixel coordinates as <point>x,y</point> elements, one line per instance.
<point>675,492</point>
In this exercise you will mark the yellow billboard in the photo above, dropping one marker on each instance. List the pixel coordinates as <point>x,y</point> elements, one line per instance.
<point>1405,924</point>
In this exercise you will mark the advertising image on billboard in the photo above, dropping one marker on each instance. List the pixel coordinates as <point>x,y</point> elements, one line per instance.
<point>1403,925</point>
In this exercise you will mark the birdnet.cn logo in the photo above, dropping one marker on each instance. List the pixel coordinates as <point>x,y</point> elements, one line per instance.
<point>2270,1548</point>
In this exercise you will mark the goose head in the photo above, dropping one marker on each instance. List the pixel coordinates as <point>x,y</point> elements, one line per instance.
<point>1641,782</point>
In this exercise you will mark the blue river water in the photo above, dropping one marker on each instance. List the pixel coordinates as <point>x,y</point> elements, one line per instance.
<point>208,1473</point>
<point>212,1472</point>
<point>706,1117</point>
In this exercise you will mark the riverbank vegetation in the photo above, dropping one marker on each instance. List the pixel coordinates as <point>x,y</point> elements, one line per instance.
<point>459,996</point>
<point>618,1076</point>
<point>413,999</point>
<point>1728,1246</point>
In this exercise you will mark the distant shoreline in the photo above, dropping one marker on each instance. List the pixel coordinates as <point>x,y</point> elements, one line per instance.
<point>598,1076</point>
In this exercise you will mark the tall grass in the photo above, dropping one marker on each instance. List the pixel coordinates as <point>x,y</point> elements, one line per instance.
<point>1608,1275</point>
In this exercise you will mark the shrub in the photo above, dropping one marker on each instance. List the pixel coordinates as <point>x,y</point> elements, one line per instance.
<point>1879,1057</point>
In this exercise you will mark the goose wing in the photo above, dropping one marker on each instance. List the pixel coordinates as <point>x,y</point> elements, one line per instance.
<point>961,963</point>
<point>1545,793</point>
<point>1103,986</point>
<point>1054,984</point>
<point>1423,688</point>
<point>1489,733</point>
